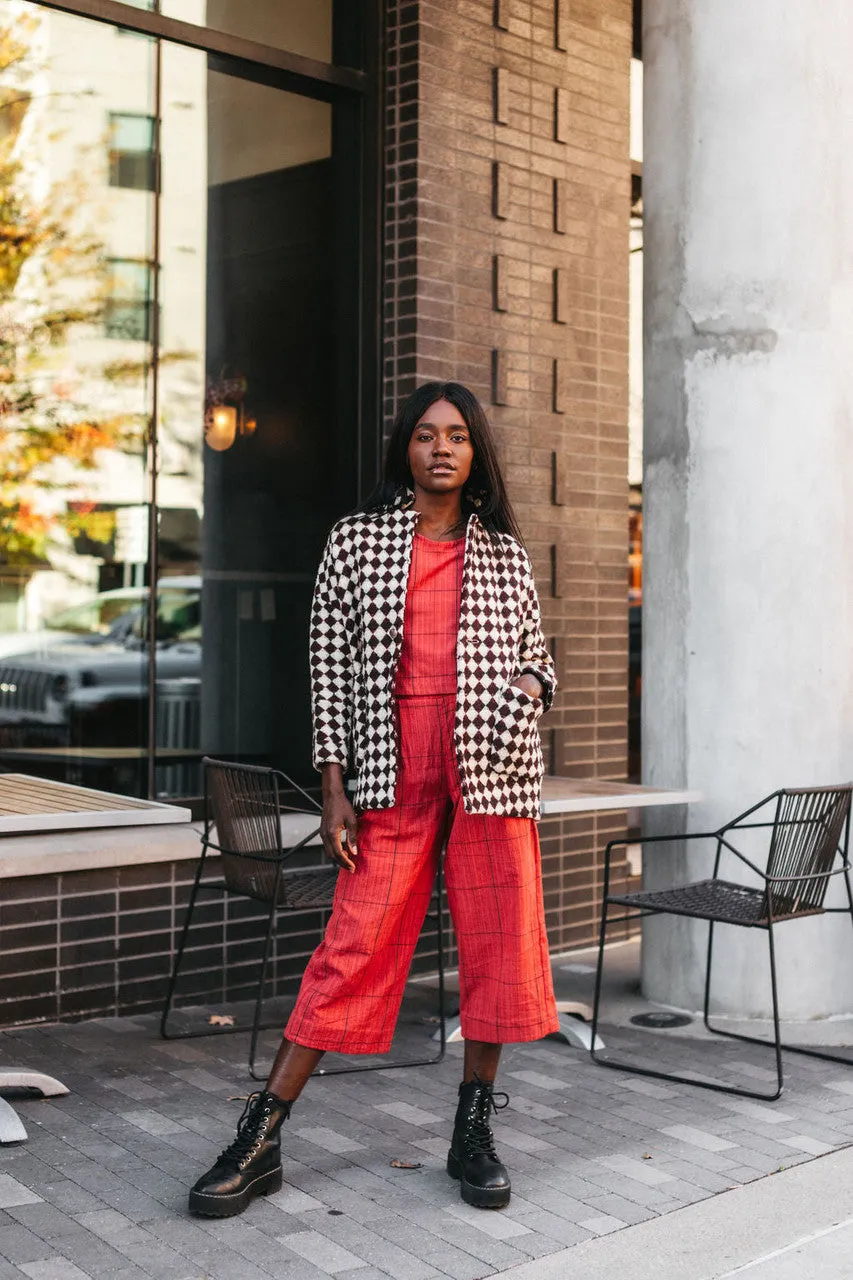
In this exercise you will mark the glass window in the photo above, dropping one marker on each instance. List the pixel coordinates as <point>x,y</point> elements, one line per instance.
<point>255,386</point>
<point>127,311</point>
<point>131,151</point>
<point>97,617</point>
<point>75,415</point>
<point>267,212</point>
<point>300,26</point>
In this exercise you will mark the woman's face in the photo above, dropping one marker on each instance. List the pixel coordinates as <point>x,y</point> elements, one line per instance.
<point>440,451</point>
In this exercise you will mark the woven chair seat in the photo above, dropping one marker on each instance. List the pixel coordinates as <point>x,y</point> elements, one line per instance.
<point>298,887</point>
<point>705,899</point>
<point>310,887</point>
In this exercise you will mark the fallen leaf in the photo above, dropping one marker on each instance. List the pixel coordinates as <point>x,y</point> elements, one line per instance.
<point>221,1020</point>
<point>406,1164</point>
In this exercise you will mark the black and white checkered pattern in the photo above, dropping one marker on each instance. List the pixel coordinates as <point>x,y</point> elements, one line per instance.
<point>356,634</point>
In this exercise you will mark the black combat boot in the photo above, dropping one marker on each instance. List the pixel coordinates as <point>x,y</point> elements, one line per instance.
<point>472,1157</point>
<point>250,1166</point>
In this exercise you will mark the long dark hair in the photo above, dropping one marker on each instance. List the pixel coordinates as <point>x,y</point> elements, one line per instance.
<point>484,492</point>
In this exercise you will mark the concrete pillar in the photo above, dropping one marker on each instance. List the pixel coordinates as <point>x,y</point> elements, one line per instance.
<point>748,487</point>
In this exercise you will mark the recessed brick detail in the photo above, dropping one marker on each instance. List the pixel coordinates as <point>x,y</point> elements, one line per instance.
<point>558,482</point>
<point>559,386</point>
<point>500,190</point>
<point>500,294</point>
<point>561,200</point>
<point>561,114</point>
<point>561,25</point>
<point>501,14</point>
<point>561,295</point>
<point>500,94</point>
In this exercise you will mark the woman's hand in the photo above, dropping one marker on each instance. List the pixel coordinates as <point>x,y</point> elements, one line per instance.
<point>528,683</point>
<point>338,817</point>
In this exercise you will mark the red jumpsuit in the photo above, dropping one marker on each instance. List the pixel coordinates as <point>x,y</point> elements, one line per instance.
<point>351,991</point>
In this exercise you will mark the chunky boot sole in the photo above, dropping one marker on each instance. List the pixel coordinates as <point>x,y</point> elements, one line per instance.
<point>228,1206</point>
<point>479,1197</point>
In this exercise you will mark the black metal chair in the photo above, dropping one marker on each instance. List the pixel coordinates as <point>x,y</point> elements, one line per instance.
<point>243,803</point>
<point>810,826</point>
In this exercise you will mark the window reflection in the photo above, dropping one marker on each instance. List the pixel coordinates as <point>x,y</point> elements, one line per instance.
<point>299,26</point>
<point>131,151</point>
<point>258,287</point>
<point>75,405</point>
<point>127,309</point>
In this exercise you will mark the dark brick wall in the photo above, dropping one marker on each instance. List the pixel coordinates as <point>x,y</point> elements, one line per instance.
<point>100,943</point>
<point>508,269</point>
<point>94,943</point>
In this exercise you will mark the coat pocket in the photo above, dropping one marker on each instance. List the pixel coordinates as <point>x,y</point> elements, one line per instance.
<point>515,745</point>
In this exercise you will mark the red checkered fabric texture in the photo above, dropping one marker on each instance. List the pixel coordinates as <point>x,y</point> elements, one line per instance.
<point>352,988</point>
<point>431,620</point>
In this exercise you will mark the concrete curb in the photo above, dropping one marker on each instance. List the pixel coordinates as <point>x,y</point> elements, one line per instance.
<point>711,1239</point>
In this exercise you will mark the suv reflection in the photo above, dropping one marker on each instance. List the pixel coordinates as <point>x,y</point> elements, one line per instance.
<point>84,679</point>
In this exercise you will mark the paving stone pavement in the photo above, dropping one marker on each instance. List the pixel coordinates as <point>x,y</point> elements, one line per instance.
<point>99,1190</point>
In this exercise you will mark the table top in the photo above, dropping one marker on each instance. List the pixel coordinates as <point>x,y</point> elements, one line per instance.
<point>592,795</point>
<point>596,795</point>
<point>37,804</point>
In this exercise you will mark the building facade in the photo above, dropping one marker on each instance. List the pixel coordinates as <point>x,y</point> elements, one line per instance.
<point>248,231</point>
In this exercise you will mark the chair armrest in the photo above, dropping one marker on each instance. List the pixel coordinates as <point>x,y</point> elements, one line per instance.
<point>687,835</point>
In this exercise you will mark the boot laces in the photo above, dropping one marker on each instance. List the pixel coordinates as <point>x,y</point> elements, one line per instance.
<point>479,1138</point>
<point>251,1130</point>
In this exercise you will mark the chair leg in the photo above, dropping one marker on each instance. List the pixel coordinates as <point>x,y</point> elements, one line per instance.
<point>708,964</point>
<point>602,935</point>
<point>776,1042</point>
<point>669,1076</point>
<point>179,955</point>
<point>821,1053</point>
<point>256,1021</point>
<point>777,1035</point>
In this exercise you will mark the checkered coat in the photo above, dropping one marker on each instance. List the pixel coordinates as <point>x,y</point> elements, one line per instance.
<point>356,634</point>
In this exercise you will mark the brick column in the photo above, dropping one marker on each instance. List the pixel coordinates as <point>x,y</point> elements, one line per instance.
<point>507,269</point>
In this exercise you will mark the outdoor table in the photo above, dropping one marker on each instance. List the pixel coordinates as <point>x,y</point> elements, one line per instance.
<point>588,795</point>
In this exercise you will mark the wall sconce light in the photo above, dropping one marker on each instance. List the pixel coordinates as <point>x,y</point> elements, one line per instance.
<point>224,413</point>
<point>220,427</point>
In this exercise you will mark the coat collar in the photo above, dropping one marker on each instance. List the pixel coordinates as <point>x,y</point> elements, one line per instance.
<point>404,510</point>
<point>408,516</point>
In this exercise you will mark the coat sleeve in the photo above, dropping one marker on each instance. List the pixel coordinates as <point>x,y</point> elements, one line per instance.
<point>331,656</point>
<point>534,654</point>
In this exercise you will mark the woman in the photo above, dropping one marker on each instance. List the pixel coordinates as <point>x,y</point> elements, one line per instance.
<point>429,672</point>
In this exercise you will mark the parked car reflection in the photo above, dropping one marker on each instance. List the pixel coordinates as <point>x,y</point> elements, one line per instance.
<point>83,680</point>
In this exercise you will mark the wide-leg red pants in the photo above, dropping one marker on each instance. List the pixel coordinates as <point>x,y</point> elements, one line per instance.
<point>351,991</point>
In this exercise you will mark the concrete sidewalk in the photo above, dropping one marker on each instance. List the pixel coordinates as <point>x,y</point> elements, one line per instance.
<point>613,1175</point>
<point>796,1225</point>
